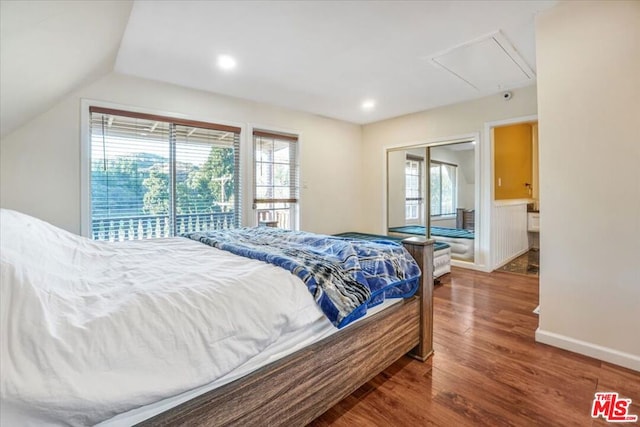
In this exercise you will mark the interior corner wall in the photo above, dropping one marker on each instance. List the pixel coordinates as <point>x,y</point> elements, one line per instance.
<point>413,129</point>
<point>588,56</point>
<point>40,162</point>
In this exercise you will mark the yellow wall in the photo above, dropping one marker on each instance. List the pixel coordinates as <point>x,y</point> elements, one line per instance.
<point>513,161</point>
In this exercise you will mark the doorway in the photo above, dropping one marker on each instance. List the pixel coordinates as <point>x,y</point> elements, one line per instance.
<point>514,201</point>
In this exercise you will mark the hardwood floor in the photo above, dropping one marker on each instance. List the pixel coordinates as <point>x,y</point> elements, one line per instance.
<point>487,368</point>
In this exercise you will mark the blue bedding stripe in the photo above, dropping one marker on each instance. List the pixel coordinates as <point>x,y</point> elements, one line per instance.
<point>345,276</point>
<point>420,230</point>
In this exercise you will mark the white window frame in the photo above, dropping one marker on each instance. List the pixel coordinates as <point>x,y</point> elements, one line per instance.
<point>418,204</point>
<point>249,195</point>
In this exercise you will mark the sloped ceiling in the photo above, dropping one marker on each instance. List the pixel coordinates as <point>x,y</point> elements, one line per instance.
<point>50,48</point>
<point>327,57</point>
<point>323,57</point>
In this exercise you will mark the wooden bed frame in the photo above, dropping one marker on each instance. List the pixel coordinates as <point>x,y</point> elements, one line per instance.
<point>466,219</point>
<point>300,387</point>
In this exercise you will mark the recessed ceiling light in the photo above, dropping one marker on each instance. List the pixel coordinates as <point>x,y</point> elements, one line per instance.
<point>368,104</point>
<point>226,62</point>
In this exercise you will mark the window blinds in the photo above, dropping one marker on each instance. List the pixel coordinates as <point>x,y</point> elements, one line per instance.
<point>413,188</point>
<point>154,176</point>
<point>413,179</point>
<point>276,189</point>
<point>276,168</point>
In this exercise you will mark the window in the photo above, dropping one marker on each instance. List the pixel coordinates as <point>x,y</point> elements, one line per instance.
<point>443,188</point>
<point>275,178</point>
<point>153,176</point>
<point>413,188</point>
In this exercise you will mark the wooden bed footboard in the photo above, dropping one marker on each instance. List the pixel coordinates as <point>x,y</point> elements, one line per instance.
<point>421,249</point>
<point>295,390</point>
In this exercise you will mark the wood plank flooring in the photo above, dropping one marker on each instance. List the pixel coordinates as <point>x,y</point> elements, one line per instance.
<point>487,368</point>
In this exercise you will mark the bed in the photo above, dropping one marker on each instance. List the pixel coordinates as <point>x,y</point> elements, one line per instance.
<point>461,241</point>
<point>441,250</point>
<point>293,385</point>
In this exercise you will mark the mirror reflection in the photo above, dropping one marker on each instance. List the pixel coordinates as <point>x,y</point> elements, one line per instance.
<point>449,188</point>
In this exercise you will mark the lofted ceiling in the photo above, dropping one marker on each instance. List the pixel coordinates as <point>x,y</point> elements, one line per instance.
<point>323,57</point>
<point>50,48</point>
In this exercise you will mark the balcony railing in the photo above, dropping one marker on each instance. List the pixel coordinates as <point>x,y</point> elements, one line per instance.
<point>282,216</point>
<point>140,227</point>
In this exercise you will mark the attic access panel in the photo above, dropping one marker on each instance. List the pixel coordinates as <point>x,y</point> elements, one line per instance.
<point>488,64</point>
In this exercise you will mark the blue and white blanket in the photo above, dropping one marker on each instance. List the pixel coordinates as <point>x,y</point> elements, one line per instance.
<point>345,276</point>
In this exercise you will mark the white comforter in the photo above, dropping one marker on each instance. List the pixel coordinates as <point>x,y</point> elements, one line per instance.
<point>91,329</point>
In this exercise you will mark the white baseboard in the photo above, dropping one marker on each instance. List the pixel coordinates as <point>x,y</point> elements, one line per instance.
<point>468,265</point>
<point>606,354</point>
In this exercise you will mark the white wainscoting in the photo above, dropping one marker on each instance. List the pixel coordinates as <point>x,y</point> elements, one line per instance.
<point>509,231</point>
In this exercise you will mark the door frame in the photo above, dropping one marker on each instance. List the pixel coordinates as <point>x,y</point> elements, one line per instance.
<point>481,259</point>
<point>488,176</point>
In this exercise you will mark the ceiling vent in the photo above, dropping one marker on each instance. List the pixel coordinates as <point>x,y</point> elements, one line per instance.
<point>487,64</point>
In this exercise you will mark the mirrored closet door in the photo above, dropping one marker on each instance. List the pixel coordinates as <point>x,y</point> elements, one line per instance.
<point>431,192</point>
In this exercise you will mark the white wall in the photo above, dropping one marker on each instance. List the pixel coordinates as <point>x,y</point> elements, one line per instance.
<point>447,222</point>
<point>588,57</point>
<point>426,126</point>
<point>466,178</point>
<point>397,188</point>
<point>40,162</point>
<point>412,129</point>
